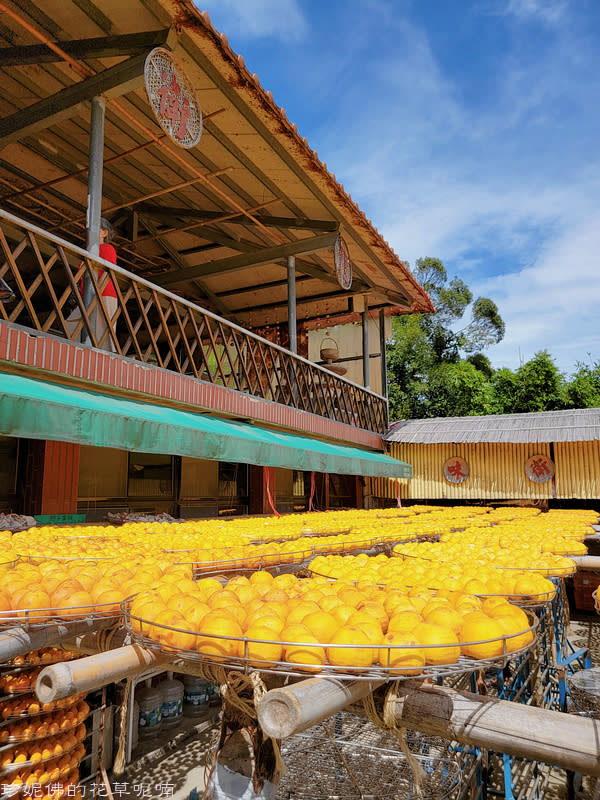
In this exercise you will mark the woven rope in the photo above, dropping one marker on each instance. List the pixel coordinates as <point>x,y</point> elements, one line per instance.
<point>387,721</point>
<point>236,688</point>
<point>119,762</point>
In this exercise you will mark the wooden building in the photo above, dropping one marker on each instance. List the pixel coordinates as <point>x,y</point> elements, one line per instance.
<point>193,392</point>
<point>549,456</point>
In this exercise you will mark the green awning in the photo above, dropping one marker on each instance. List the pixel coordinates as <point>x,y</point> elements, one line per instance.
<point>36,409</point>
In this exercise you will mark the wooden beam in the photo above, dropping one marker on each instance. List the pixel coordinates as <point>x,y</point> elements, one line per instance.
<point>301,223</point>
<point>256,258</point>
<point>117,80</point>
<point>80,49</point>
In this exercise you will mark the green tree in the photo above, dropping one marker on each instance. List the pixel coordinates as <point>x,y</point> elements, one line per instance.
<point>422,343</point>
<point>540,386</point>
<point>458,390</point>
<point>583,390</point>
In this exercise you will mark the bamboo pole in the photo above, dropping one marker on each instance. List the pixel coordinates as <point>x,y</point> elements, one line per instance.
<point>587,562</point>
<point>563,740</point>
<point>71,677</point>
<point>295,708</point>
<point>20,640</point>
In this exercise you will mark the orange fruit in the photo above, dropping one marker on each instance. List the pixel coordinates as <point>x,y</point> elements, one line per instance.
<point>268,620</point>
<point>467,602</point>
<point>263,653</point>
<point>78,603</point>
<point>481,637</point>
<point>33,600</point>
<point>342,612</point>
<point>208,586</point>
<point>515,630</point>
<point>404,621</point>
<point>62,593</point>
<point>376,610</point>
<point>261,577</point>
<point>322,625</point>
<point>329,602</point>
<point>441,643</point>
<point>300,609</point>
<point>353,648</point>
<point>397,601</point>
<point>214,625</point>
<point>402,654</point>
<point>299,648</point>
<point>108,601</point>
<point>446,616</point>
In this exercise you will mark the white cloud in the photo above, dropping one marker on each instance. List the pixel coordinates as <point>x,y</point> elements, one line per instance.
<point>553,304</point>
<point>549,11</point>
<point>256,19</point>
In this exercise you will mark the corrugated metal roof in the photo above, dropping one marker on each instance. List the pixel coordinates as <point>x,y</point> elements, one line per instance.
<point>577,425</point>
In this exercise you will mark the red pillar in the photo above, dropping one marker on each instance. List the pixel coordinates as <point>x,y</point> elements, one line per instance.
<point>258,502</point>
<point>52,479</point>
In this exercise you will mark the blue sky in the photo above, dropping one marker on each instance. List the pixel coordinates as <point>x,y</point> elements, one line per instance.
<point>468,130</point>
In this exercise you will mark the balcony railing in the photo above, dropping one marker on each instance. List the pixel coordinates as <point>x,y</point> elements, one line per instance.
<point>52,286</point>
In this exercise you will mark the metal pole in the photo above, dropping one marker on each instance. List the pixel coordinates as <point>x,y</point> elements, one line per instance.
<point>94,207</point>
<point>291,285</point>
<point>365,346</point>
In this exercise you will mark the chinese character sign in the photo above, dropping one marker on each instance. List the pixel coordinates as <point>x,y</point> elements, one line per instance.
<point>343,265</point>
<point>456,470</point>
<point>539,468</point>
<point>172,98</point>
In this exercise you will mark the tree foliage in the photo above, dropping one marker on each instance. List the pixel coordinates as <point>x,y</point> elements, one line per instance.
<point>436,367</point>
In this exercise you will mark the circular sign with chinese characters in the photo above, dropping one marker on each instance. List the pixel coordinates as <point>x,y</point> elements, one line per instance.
<point>539,469</point>
<point>172,98</point>
<point>456,470</point>
<point>343,266</point>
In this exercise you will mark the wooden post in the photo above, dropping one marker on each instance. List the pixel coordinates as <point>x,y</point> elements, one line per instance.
<point>52,480</point>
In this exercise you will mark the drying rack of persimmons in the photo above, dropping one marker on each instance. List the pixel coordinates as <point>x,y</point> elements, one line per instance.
<point>41,744</point>
<point>384,627</point>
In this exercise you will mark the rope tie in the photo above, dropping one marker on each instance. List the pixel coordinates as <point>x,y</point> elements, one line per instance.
<point>119,762</point>
<point>387,721</point>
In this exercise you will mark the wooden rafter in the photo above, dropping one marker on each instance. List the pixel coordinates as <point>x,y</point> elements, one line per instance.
<point>80,49</point>
<point>256,258</point>
<point>115,81</point>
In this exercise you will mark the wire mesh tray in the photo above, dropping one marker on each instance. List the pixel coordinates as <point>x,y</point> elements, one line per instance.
<point>527,600</point>
<point>364,763</point>
<point>6,742</point>
<point>584,689</point>
<point>31,619</point>
<point>45,708</point>
<point>563,572</point>
<point>240,653</point>
<point>11,790</point>
<point>12,768</point>
<point>266,561</point>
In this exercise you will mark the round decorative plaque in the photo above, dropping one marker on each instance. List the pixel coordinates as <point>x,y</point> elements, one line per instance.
<point>173,98</point>
<point>343,265</point>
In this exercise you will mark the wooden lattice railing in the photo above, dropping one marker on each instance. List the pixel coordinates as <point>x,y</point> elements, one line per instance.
<point>41,282</point>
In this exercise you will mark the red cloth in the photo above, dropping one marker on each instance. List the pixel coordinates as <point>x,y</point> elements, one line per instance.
<point>108,253</point>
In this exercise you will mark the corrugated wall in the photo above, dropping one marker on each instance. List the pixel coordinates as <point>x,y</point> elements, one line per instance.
<point>577,469</point>
<point>497,471</point>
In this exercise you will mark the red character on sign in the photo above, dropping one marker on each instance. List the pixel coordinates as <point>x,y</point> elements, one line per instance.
<point>539,467</point>
<point>456,470</point>
<point>172,106</point>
